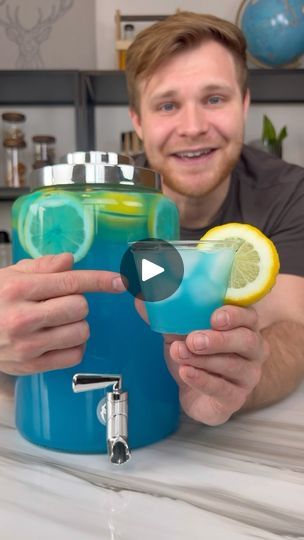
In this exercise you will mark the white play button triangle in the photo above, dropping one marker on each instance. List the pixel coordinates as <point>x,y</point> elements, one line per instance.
<point>150,269</point>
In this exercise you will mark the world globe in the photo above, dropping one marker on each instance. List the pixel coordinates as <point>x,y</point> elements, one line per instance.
<point>274,30</point>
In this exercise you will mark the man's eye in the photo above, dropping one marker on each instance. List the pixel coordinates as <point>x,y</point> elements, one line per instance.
<point>167,107</point>
<point>214,100</point>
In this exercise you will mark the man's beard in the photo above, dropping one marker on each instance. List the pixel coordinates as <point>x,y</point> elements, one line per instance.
<point>202,189</point>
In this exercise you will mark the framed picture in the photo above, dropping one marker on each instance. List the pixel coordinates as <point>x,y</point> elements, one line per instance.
<point>47,34</point>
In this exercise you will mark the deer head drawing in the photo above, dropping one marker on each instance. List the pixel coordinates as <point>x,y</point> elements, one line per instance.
<point>29,40</point>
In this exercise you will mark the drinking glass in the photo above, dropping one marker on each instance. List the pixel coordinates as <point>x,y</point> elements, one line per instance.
<point>207,267</point>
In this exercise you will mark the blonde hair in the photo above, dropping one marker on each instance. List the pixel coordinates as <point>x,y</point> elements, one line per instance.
<point>183,31</point>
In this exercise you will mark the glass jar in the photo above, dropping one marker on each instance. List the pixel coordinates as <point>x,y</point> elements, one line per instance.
<point>128,32</point>
<point>14,162</point>
<point>5,249</point>
<point>43,150</point>
<point>128,36</point>
<point>94,211</point>
<point>14,149</point>
<point>130,143</point>
<point>13,127</point>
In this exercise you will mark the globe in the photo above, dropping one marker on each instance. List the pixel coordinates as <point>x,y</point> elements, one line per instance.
<point>274,30</point>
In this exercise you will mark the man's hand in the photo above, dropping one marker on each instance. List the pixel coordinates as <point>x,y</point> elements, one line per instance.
<point>217,369</point>
<point>43,312</point>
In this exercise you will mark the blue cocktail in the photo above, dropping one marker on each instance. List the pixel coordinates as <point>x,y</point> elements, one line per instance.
<point>207,267</point>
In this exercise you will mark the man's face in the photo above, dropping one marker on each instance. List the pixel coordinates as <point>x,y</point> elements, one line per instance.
<point>191,119</point>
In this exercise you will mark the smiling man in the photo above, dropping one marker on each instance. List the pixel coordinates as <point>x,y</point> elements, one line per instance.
<point>192,125</point>
<point>187,83</point>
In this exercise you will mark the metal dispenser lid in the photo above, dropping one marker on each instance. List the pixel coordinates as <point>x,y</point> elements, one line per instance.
<point>90,173</point>
<point>112,158</point>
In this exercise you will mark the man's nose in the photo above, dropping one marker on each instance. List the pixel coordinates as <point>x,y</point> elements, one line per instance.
<point>193,121</point>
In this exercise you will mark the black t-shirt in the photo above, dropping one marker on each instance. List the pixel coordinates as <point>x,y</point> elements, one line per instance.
<point>268,193</point>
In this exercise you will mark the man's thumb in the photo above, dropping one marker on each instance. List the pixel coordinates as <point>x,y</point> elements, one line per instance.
<point>47,263</point>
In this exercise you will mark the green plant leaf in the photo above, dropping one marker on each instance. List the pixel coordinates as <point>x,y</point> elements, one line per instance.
<point>269,132</point>
<point>283,134</point>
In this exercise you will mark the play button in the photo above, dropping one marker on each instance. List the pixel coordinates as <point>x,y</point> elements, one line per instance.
<point>149,270</point>
<point>152,269</point>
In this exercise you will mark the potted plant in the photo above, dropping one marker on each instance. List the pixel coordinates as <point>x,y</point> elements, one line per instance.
<point>271,140</point>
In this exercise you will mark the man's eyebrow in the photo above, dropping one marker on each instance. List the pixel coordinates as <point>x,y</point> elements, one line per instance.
<point>169,94</point>
<point>216,87</point>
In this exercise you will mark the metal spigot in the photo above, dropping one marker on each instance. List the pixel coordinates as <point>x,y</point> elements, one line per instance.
<point>112,411</point>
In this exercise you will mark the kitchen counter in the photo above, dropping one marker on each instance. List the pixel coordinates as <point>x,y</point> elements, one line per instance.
<point>242,480</point>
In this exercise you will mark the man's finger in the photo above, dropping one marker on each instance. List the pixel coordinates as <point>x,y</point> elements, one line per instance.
<point>213,386</point>
<point>46,314</point>
<point>240,341</point>
<point>57,338</point>
<point>49,361</point>
<point>46,264</point>
<point>231,367</point>
<point>229,317</point>
<point>53,285</point>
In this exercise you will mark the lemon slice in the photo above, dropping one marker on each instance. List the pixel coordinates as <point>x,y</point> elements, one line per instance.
<point>21,209</point>
<point>163,219</point>
<point>256,262</point>
<point>121,203</point>
<point>120,216</point>
<point>57,222</point>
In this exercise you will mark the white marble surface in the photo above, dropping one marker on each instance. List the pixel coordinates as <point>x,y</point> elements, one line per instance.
<point>242,480</point>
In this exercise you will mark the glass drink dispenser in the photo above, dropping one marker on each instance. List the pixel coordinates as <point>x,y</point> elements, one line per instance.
<point>93,211</point>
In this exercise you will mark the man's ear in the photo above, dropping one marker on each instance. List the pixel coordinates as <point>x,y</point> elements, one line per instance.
<point>246,103</point>
<point>136,122</point>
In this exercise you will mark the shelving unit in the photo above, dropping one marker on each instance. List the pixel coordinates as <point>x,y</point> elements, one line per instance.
<point>121,44</point>
<point>268,86</point>
<point>44,88</point>
<point>276,85</point>
<point>84,90</point>
<point>10,193</point>
<point>39,87</point>
<point>108,88</point>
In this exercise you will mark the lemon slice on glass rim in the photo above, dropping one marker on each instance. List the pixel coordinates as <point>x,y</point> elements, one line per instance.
<point>256,262</point>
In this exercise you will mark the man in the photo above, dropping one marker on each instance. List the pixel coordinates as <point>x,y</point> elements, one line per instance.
<point>188,97</point>
<point>188,102</point>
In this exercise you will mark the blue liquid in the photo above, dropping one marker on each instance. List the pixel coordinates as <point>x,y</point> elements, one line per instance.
<point>203,289</point>
<point>48,413</point>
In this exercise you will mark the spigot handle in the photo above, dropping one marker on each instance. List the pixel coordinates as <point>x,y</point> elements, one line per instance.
<point>82,382</point>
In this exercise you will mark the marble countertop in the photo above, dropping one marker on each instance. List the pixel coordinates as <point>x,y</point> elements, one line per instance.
<point>242,480</point>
